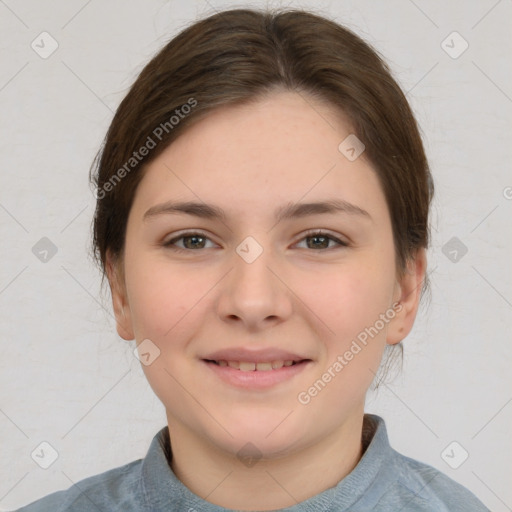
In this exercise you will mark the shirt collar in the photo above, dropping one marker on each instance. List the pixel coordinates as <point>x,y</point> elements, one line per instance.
<point>162,490</point>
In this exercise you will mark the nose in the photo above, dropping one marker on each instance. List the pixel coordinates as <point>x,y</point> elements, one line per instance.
<point>254,294</point>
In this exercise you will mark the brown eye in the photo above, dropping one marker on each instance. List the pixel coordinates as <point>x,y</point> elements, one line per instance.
<point>194,241</point>
<point>321,240</point>
<point>191,241</point>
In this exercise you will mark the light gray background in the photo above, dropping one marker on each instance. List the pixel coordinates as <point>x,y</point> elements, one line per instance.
<point>68,379</point>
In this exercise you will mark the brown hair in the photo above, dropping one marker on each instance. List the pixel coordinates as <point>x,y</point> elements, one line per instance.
<point>239,56</point>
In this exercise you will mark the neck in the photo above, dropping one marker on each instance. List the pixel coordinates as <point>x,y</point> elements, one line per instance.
<point>220,478</point>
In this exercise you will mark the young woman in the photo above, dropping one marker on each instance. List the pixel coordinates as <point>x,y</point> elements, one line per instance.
<point>262,219</point>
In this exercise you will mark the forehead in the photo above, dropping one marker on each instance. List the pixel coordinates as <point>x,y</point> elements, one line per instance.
<point>282,126</point>
<point>282,148</point>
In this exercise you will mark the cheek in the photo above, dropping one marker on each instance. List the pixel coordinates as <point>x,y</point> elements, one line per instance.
<point>348,299</point>
<point>162,297</point>
<point>168,305</point>
<point>347,304</point>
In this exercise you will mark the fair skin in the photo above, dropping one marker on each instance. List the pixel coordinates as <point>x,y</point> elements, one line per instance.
<point>294,297</point>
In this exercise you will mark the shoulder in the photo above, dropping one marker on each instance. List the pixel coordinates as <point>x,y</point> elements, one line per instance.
<point>421,487</point>
<point>389,481</point>
<point>117,489</point>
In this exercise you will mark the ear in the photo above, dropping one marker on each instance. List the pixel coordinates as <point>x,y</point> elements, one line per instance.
<point>120,304</point>
<point>407,294</point>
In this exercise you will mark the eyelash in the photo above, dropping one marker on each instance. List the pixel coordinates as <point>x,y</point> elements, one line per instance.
<point>310,234</point>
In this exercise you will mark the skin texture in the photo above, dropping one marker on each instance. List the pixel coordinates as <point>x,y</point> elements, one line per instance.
<point>311,301</point>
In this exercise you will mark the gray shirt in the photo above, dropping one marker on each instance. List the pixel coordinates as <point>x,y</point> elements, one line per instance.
<point>383,481</point>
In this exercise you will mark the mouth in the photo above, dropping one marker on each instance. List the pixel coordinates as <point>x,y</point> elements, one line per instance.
<point>260,366</point>
<point>260,374</point>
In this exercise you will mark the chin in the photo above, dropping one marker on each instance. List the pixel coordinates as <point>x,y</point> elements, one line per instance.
<point>265,434</point>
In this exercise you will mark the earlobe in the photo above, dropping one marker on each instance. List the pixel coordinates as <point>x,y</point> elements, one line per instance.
<point>408,296</point>
<point>119,299</point>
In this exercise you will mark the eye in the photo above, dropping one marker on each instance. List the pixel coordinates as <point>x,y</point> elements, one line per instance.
<point>321,240</point>
<point>191,240</point>
<point>195,240</point>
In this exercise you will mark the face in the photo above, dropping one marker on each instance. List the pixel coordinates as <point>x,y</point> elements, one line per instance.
<point>227,302</point>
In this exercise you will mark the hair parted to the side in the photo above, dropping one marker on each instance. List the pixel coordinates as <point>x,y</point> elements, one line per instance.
<point>238,56</point>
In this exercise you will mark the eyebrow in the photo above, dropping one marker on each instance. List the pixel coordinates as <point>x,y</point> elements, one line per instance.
<point>291,210</point>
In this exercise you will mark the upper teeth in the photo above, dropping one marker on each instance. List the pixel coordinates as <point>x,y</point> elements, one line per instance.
<point>247,366</point>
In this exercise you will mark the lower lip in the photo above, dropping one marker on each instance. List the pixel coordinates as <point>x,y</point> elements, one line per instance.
<point>256,379</point>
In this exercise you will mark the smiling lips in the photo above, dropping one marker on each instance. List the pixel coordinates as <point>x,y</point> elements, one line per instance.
<point>248,366</point>
<point>255,368</point>
<point>254,360</point>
